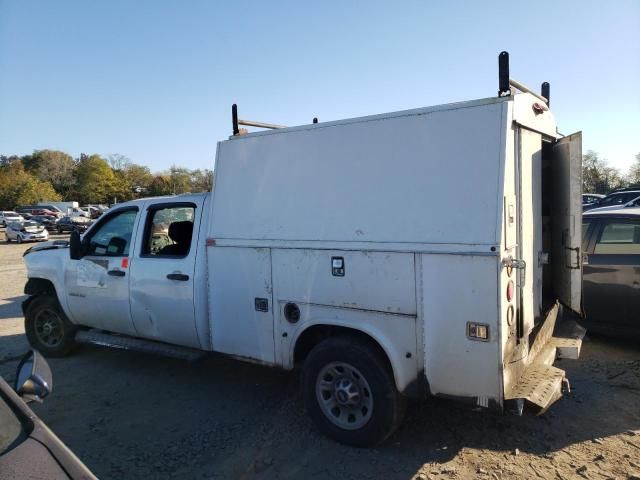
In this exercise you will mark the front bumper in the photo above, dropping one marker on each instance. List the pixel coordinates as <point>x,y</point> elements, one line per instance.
<point>35,237</point>
<point>539,383</point>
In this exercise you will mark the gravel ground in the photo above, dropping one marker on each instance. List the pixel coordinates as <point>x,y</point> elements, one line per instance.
<point>129,415</point>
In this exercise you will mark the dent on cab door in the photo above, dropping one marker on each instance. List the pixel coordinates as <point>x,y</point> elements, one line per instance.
<point>162,274</point>
<point>97,285</point>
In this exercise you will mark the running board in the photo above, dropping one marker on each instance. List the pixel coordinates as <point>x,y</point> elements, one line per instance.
<point>103,339</point>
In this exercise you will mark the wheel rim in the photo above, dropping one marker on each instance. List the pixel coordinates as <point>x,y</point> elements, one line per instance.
<point>49,329</point>
<point>344,395</point>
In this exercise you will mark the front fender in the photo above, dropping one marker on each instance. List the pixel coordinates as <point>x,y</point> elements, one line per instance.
<point>48,265</point>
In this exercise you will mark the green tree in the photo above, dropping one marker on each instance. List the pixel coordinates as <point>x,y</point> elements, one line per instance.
<point>34,190</point>
<point>201,180</point>
<point>52,166</point>
<point>160,185</point>
<point>180,179</point>
<point>95,180</point>
<point>634,172</point>
<point>597,176</point>
<point>19,187</point>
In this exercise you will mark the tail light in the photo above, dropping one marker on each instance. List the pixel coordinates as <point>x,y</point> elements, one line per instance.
<point>510,290</point>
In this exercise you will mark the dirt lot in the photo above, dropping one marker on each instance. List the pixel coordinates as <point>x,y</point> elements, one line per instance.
<point>129,415</point>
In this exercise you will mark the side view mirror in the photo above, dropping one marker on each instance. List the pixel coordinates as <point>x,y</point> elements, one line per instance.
<point>75,245</point>
<point>33,378</point>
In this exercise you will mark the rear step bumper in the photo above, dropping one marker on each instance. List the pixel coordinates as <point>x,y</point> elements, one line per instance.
<point>540,383</point>
<point>104,339</point>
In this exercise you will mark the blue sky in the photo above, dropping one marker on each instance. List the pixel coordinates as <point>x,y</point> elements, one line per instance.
<point>155,80</point>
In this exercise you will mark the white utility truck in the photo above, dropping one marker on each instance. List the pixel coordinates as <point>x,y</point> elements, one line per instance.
<point>422,252</point>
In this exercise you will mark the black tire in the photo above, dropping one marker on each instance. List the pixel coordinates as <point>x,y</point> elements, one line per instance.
<point>59,231</point>
<point>18,238</point>
<point>7,239</point>
<point>387,404</point>
<point>45,308</point>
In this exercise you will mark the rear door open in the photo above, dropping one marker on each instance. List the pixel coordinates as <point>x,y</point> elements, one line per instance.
<point>566,221</point>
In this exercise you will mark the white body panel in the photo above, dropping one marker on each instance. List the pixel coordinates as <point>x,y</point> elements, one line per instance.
<point>423,206</point>
<point>453,367</point>
<point>332,183</point>
<point>237,276</point>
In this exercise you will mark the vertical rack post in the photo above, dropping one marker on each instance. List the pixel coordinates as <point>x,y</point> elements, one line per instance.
<point>503,75</point>
<point>234,119</point>
<point>546,92</point>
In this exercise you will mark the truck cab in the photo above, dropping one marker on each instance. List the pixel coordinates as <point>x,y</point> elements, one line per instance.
<point>136,274</point>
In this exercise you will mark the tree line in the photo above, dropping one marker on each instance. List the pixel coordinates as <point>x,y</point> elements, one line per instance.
<point>599,177</point>
<point>52,175</point>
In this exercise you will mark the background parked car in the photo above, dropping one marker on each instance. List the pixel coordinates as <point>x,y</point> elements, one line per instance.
<point>26,231</point>
<point>58,213</point>
<point>80,212</point>
<point>31,210</point>
<point>611,271</point>
<point>47,221</point>
<point>70,223</point>
<point>617,197</point>
<point>589,198</point>
<point>631,204</point>
<point>24,435</point>
<point>8,217</point>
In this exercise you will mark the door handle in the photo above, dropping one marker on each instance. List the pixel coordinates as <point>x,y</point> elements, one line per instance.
<point>178,276</point>
<point>116,273</point>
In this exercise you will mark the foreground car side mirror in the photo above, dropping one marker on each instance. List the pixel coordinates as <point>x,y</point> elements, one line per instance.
<point>75,245</point>
<point>33,378</point>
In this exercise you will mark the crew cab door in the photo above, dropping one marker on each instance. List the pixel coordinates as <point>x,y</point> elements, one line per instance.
<point>97,285</point>
<point>566,220</point>
<point>162,273</point>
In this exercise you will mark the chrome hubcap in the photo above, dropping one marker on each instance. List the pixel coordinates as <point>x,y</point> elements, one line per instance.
<point>49,327</point>
<point>344,395</point>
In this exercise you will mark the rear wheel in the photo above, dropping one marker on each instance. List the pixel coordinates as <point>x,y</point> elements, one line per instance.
<point>47,327</point>
<point>350,392</point>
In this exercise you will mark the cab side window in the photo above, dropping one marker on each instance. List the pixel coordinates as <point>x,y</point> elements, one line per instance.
<point>169,230</point>
<point>113,238</point>
<point>619,238</point>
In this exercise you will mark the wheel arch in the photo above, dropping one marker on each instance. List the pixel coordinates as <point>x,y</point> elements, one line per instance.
<point>41,286</point>
<point>405,374</point>
<point>38,286</point>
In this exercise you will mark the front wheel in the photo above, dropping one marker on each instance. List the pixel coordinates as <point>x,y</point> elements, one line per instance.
<point>47,327</point>
<point>19,239</point>
<point>350,392</point>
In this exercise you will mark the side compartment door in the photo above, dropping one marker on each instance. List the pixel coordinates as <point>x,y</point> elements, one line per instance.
<point>240,302</point>
<point>566,221</point>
